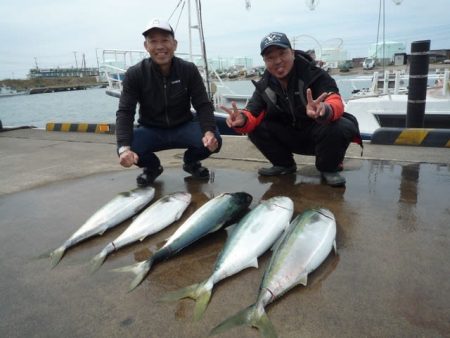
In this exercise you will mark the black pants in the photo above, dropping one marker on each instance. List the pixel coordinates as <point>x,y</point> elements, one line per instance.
<point>328,142</point>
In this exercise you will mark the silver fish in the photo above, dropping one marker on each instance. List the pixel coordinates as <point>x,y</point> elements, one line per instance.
<point>305,245</point>
<point>120,208</point>
<point>208,218</point>
<point>251,237</point>
<point>156,217</point>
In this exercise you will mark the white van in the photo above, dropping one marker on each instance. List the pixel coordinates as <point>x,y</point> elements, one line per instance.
<point>368,63</point>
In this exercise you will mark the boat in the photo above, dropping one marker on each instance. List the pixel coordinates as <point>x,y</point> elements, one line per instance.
<point>386,107</point>
<point>8,92</point>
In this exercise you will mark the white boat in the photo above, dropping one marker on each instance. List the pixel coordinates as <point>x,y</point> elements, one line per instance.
<point>387,107</point>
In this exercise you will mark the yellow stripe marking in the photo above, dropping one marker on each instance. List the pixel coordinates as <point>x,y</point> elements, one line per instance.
<point>102,128</point>
<point>49,126</point>
<point>83,127</point>
<point>65,126</point>
<point>412,136</point>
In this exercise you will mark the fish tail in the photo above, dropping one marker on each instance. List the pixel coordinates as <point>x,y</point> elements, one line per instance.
<point>202,302</point>
<point>187,292</point>
<point>201,293</point>
<point>57,254</point>
<point>265,326</point>
<point>140,269</point>
<point>251,317</point>
<point>97,261</point>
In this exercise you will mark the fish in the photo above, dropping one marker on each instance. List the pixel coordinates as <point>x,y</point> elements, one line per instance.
<point>253,235</point>
<point>120,208</point>
<point>210,217</point>
<point>156,217</point>
<point>309,239</point>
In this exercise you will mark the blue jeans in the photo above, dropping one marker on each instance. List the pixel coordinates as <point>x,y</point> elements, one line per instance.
<point>148,140</point>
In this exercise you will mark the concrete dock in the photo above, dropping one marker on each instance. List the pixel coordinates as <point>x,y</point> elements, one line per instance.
<point>389,279</point>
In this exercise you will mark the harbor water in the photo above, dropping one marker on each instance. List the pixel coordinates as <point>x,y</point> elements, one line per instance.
<point>94,106</point>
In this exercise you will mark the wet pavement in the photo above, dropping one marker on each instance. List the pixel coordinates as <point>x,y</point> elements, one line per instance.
<point>389,279</point>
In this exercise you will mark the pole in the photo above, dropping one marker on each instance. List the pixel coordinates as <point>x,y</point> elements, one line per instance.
<point>418,79</point>
<point>76,62</point>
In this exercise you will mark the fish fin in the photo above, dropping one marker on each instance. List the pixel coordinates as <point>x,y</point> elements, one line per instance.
<point>44,255</point>
<point>303,280</point>
<point>142,238</point>
<point>97,261</point>
<point>179,214</point>
<point>140,269</point>
<point>57,254</point>
<point>265,326</point>
<point>202,302</point>
<point>334,247</point>
<point>187,292</point>
<point>240,318</point>
<point>217,227</point>
<point>102,231</point>
<point>201,293</point>
<point>252,264</point>
<point>229,229</point>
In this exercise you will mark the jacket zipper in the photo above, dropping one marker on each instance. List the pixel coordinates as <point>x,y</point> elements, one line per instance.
<point>286,96</point>
<point>165,101</point>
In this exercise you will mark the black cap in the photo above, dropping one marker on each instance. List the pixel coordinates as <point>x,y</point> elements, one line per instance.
<point>275,39</point>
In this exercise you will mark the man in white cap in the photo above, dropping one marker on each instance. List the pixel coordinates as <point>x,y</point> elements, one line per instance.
<point>296,109</point>
<point>165,86</point>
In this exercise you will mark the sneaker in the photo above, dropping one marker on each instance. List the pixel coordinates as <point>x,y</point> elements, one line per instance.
<point>148,176</point>
<point>333,179</point>
<point>277,170</point>
<point>196,170</point>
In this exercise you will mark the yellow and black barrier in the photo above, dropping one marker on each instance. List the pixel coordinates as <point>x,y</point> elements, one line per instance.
<point>423,137</point>
<point>99,128</point>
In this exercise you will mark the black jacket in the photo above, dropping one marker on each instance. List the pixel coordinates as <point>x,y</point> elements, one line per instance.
<point>164,102</point>
<point>290,107</point>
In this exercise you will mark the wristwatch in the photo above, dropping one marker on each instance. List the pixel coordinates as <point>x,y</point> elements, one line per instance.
<point>122,149</point>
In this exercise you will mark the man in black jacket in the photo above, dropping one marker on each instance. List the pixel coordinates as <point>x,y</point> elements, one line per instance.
<point>296,108</point>
<point>165,86</point>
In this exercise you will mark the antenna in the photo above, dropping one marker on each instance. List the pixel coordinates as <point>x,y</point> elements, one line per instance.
<point>312,4</point>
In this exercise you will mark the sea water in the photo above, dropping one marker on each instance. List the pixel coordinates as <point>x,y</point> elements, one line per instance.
<point>94,106</point>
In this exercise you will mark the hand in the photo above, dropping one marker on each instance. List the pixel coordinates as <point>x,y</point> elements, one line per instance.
<point>210,141</point>
<point>128,158</point>
<point>235,118</point>
<point>315,108</point>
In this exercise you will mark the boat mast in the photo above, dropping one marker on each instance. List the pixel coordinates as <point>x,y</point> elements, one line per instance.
<point>198,7</point>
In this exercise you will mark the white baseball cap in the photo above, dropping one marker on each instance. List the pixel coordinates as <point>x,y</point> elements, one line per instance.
<point>156,23</point>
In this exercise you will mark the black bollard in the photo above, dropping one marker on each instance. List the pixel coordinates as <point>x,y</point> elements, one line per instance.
<point>418,79</point>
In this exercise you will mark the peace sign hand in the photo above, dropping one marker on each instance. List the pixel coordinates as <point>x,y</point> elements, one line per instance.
<point>315,108</point>
<point>235,118</point>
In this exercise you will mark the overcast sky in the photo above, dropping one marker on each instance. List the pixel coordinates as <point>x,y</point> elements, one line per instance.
<point>56,33</point>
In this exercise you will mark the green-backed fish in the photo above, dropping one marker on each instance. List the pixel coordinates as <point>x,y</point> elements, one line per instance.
<point>120,208</point>
<point>255,233</point>
<point>156,217</point>
<point>304,246</point>
<point>210,217</point>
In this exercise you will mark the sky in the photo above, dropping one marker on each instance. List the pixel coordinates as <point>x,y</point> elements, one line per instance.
<point>58,33</point>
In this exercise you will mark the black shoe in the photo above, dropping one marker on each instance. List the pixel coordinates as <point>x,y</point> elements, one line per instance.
<point>277,170</point>
<point>196,170</point>
<point>333,179</point>
<point>148,176</point>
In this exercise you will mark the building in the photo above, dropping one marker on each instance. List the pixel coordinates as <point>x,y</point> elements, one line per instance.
<point>62,72</point>
<point>384,53</point>
<point>333,56</point>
